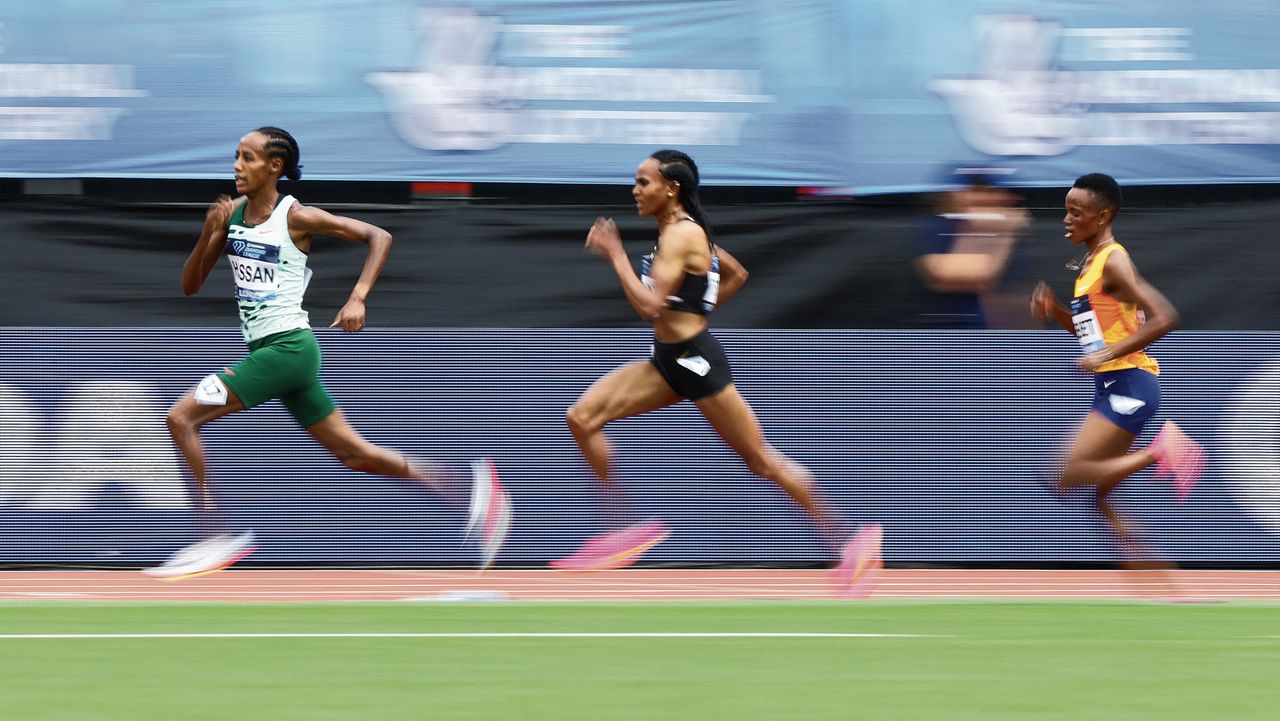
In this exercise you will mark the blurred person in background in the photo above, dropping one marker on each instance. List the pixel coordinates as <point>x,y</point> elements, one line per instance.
<point>968,244</point>
<point>1115,315</point>
<point>681,282</point>
<point>267,237</point>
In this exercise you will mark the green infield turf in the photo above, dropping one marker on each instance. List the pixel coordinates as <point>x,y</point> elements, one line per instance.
<point>916,661</point>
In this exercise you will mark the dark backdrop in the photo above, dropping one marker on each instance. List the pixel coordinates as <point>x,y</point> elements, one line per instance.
<point>814,264</point>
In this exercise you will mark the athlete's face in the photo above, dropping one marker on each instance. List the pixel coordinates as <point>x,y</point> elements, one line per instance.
<point>254,168</point>
<point>653,193</point>
<point>1086,215</point>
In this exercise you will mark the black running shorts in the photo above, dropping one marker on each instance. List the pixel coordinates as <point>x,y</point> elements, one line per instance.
<point>693,368</point>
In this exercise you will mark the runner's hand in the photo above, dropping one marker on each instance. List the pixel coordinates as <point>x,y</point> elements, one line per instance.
<point>219,212</point>
<point>351,317</point>
<point>1043,301</point>
<point>603,239</point>
<point>1090,363</point>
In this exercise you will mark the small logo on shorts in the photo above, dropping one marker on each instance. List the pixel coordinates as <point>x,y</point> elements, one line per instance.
<point>1107,384</point>
<point>1124,405</point>
<point>695,363</point>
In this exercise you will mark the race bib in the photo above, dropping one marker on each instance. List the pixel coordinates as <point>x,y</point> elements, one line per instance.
<point>255,280</point>
<point>253,268</point>
<point>712,293</point>
<point>646,263</point>
<point>1085,321</point>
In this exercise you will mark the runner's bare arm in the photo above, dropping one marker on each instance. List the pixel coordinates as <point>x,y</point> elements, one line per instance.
<point>306,222</point>
<point>209,247</point>
<point>604,241</point>
<point>1120,279</point>
<point>732,275</point>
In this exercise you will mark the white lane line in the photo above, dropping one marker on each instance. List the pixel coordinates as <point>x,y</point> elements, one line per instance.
<point>659,634</point>
<point>48,594</point>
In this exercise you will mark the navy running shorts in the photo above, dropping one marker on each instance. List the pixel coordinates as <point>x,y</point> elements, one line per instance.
<point>1128,397</point>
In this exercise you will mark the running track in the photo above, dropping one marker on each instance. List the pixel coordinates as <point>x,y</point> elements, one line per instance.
<point>626,585</point>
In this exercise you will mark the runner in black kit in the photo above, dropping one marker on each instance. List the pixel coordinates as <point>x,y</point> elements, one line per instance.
<point>681,282</point>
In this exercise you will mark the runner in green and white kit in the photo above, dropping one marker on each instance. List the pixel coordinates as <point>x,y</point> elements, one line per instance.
<point>266,237</point>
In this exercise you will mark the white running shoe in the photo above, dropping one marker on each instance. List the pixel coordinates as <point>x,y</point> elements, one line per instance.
<point>207,556</point>
<point>490,511</point>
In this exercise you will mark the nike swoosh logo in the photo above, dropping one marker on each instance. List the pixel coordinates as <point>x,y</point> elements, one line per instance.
<point>1107,384</point>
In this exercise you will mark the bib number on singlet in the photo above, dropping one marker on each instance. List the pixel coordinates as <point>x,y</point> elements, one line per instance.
<point>255,280</point>
<point>253,268</point>
<point>1085,321</point>
<point>710,297</point>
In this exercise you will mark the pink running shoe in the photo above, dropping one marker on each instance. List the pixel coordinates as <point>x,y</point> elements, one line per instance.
<point>1178,456</point>
<point>490,511</point>
<point>860,566</point>
<point>616,549</point>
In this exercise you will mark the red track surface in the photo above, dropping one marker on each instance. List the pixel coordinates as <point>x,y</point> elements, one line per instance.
<point>626,585</point>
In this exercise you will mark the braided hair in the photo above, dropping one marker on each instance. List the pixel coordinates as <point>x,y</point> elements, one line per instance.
<point>280,144</point>
<point>678,167</point>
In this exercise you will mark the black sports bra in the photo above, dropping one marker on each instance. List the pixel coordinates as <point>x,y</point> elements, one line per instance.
<point>697,293</point>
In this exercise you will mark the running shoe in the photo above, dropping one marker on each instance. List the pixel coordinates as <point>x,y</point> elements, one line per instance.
<point>204,557</point>
<point>860,563</point>
<point>615,549</point>
<point>490,511</point>
<point>1179,457</point>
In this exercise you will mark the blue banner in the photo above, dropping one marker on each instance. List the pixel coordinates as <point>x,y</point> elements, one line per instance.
<point>877,94</point>
<point>945,437</point>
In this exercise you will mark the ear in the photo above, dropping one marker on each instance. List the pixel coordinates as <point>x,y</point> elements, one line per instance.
<point>277,165</point>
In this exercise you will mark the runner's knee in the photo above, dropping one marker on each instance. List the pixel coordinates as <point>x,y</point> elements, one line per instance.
<point>580,421</point>
<point>177,421</point>
<point>210,391</point>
